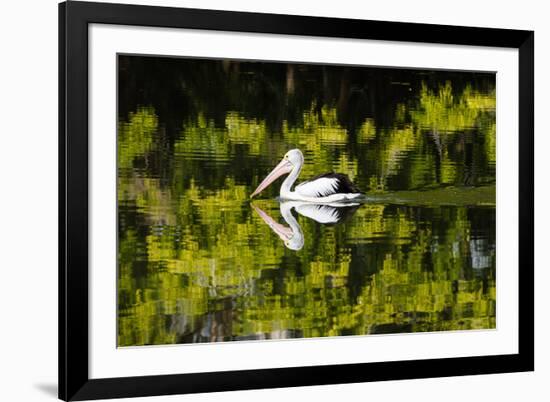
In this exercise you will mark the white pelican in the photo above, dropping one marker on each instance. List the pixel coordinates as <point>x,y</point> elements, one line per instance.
<point>325,188</point>
<point>292,235</point>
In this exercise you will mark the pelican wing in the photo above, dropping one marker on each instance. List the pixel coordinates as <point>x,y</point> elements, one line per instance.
<point>327,184</point>
<point>320,187</point>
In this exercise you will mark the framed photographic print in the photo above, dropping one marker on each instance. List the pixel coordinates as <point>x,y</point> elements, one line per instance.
<point>257,200</point>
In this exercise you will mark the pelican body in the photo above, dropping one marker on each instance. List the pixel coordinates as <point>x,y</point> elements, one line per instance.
<point>325,188</point>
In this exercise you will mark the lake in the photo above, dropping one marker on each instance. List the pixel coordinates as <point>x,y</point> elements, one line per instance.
<point>199,261</point>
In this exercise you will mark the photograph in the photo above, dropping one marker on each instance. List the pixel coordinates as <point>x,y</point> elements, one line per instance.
<point>270,200</point>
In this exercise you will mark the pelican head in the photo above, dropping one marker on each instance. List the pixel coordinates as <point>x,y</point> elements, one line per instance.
<point>291,162</point>
<point>291,235</point>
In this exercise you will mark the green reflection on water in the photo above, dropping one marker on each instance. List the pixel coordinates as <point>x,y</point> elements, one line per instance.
<point>198,263</point>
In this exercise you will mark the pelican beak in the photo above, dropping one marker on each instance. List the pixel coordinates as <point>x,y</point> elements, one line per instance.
<point>284,167</point>
<point>284,232</point>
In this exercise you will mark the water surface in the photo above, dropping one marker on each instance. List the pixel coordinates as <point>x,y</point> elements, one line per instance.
<point>198,261</point>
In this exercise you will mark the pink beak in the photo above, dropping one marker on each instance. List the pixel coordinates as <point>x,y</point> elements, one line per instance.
<point>284,167</point>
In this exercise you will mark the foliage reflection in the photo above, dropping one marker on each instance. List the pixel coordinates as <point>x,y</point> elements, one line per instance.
<point>199,263</point>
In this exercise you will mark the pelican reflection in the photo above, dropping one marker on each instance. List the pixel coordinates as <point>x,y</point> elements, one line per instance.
<point>292,235</point>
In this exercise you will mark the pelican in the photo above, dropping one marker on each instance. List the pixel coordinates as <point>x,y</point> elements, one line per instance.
<point>292,235</point>
<point>325,188</point>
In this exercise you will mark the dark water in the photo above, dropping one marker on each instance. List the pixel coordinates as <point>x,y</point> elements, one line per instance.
<point>200,262</point>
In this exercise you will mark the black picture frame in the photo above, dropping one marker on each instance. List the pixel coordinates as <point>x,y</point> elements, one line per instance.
<point>74,381</point>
